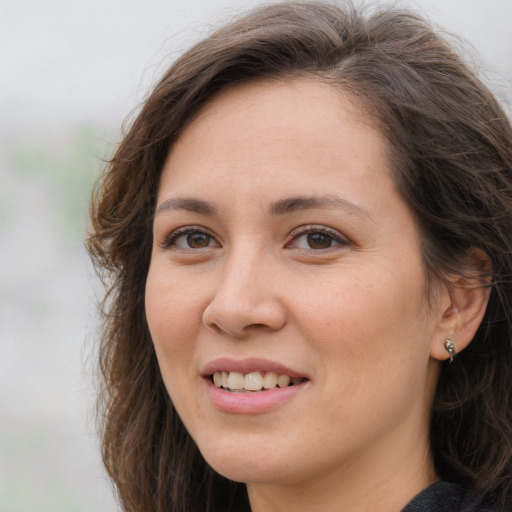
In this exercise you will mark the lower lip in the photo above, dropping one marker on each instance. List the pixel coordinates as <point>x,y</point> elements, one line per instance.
<point>251,402</point>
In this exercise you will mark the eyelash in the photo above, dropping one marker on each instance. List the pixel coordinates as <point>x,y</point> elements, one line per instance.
<point>181,232</point>
<point>336,238</point>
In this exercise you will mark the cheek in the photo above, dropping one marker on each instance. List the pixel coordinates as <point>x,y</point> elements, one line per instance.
<point>172,317</point>
<point>367,319</point>
<point>172,312</point>
<point>369,337</point>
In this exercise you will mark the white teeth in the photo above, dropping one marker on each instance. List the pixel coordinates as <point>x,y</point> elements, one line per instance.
<point>283,381</point>
<point>235,380</point>
<point>253,381</point>
<point>270,380</point>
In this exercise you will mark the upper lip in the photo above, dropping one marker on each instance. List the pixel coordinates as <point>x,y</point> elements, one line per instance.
<point>249,365</point>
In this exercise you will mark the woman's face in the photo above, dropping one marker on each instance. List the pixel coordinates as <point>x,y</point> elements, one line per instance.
<point>284,254</point>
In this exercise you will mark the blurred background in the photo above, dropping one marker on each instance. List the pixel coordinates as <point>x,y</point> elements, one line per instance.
<point>70,72</point>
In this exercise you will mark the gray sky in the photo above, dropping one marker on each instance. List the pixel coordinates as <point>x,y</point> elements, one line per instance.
<point>65,62</point>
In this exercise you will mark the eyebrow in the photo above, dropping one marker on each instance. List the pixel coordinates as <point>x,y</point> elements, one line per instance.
<point>280,207</point>
<point>293,204</point>
<point>189,204</point>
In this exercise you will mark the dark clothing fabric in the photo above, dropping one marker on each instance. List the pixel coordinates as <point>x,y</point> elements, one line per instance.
<point>447,497</point>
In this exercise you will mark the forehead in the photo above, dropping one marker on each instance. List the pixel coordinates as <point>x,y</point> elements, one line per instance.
<point>293,128</point>
<point>313,107</point>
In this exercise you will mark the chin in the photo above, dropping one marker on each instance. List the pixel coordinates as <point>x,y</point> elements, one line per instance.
<point>248,463</point>
<point>250,473</point>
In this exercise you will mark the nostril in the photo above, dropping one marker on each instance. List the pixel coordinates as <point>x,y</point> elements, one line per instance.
<point>237,315</point>
<point>215,327</point>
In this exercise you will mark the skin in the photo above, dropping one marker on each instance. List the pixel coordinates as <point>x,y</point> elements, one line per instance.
<point>352,316</point>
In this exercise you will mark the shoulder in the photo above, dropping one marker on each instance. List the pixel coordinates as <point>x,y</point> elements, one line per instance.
<point>448,497</point>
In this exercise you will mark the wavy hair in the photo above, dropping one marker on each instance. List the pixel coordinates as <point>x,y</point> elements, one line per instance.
<point>450,148</point>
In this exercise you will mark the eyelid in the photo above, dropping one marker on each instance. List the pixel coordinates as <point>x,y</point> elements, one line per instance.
<point>318,228</point>
<point>170,239</point>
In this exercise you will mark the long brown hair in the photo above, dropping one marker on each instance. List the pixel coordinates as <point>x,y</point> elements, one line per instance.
<point>451,155</point>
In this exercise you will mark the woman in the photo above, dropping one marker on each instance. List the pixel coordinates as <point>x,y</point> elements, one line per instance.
<point>306,236</point>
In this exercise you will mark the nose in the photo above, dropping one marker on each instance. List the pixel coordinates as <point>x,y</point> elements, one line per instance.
<point>246,298</point>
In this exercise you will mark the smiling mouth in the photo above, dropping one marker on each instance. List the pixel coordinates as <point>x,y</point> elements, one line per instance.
<point>254,381</point>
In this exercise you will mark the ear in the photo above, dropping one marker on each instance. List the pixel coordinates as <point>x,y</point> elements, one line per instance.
<point>463,303</point>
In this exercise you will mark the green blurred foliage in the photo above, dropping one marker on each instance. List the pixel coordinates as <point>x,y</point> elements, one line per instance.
<point>70,169</point>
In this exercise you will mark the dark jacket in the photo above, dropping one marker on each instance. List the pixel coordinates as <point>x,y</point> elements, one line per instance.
<point>447,497</point>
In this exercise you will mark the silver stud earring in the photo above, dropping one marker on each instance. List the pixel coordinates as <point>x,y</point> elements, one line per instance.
<point>450,348</point>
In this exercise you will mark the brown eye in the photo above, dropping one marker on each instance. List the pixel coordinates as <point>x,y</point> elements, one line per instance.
<point>189,238</point>
<point>198,240</point>
<point>317,238</point>
<point>319,241</point>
